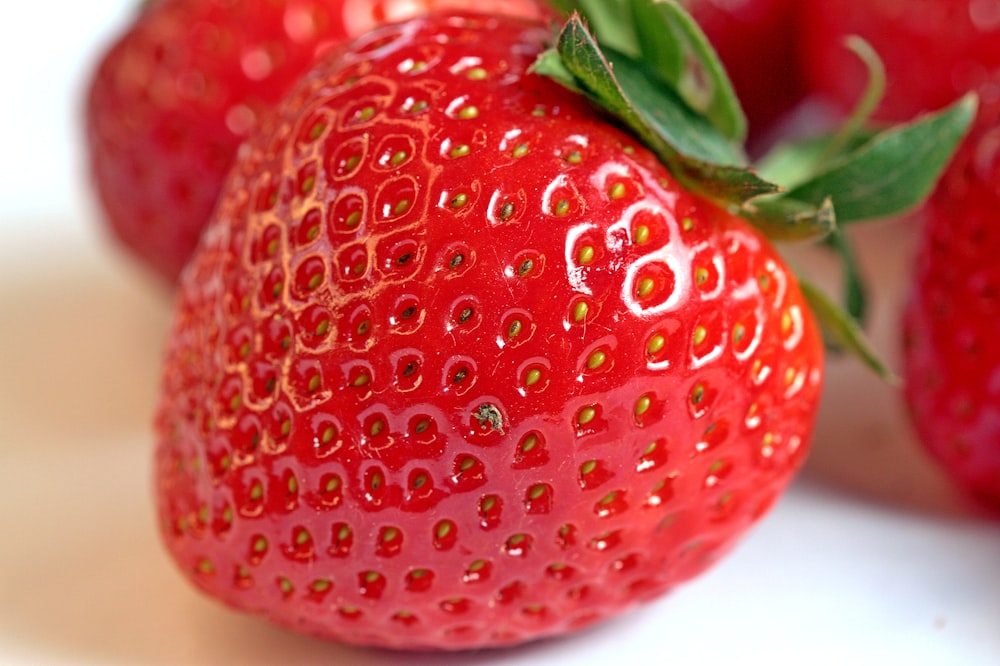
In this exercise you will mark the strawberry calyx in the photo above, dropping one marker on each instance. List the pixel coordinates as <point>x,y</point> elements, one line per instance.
<point>648,64</point>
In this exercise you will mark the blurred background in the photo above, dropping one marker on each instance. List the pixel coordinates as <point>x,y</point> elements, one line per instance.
<point>871,558</point>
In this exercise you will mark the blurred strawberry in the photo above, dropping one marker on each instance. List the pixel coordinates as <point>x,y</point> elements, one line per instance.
<point>187,81</point>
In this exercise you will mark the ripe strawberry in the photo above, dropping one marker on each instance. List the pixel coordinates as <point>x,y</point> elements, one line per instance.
<point>951,351</point>
<point>933,50</point>
<point>187,82</point>
<point>459,363</point>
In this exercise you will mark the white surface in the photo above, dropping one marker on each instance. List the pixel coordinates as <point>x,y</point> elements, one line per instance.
<point>870,559</point>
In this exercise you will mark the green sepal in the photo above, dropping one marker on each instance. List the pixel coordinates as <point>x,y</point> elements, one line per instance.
<point>782,218</point>
<point>687,61</point>
<point>843,331</point>
<point>855,291</point>
<point>892,172</point>
<point>689,145</point>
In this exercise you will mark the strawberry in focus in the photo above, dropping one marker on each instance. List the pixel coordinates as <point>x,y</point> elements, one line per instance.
<point>951,352</point>
<point>460,364</point>
<point>174,96</point>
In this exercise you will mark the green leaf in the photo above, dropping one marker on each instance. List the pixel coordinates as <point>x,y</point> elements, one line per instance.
<point>781,218</point>
<point>695,152</point>
<point>895,170</point>
<point>794,162</point>
<point>844,331</point>
<point>680,54</point>
<point>855,298</point>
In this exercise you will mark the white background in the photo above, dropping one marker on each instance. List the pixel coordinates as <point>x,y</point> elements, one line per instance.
<point>870,559</point>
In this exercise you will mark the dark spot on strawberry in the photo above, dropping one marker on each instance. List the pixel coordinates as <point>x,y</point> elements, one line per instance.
<point>489,417</point>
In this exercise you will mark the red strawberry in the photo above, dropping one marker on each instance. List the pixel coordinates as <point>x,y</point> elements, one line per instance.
<point>757,42</point>
<point>459,363</point>
<point>186,83</point>
<point>951,351</point>
<point>933,50</point>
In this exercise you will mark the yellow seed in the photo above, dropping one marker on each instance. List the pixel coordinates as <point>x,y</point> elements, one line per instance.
<point>687,224</point>
<point>596,360</point>
<point>642,405</point>
<point>460,150</point>
<point>459,200</point>
<point>353,219</point>
<point>376,428</point>
<point>586,254</point>
<point>588,467</point>
<point>697,394</point>
<point>617,191</point>
<point>562,207</point>
<point>328,435</point>
<point>701,276</point>
<point>533,377</point>
<point>530,442</point>
<point>642,234</point>
<point>468,113</point>
<point>521,150</point>
<point>314,383</point>
<point>580,311</point>
<point>700,333</point>
<point>575,157</point>
<point>477,74</point>
<point>646,287</point>
<point>586,415</point>
<point>656,344</point>
<point>315,281</point>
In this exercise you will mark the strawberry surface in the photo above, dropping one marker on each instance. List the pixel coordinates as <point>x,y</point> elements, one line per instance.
<point>951,352</point>
<point>458,363</point>
<point>187,81</point>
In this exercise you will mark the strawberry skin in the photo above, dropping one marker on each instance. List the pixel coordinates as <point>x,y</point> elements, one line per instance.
<point>951,352</point>
<point>459,364</point>
<point>174,96</point>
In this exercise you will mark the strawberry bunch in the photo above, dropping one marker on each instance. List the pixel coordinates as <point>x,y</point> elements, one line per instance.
<point>486,338</point>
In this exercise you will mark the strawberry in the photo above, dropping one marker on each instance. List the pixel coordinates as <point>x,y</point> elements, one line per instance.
<point>175,95</point>
<point>950,350</point>
<point>461,364</point>
<point>464,359</point>
<point>933,50</point>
